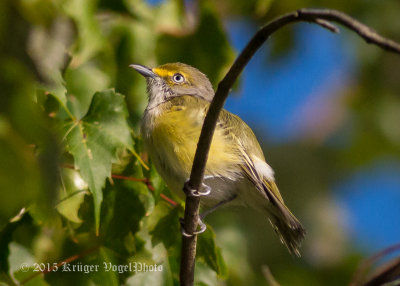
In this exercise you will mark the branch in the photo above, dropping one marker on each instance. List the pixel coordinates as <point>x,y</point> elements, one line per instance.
<point>149,186</point>
<point>316,16</point>
<point>144,180</point>
<point>268,276</point>
<point>386,273</point>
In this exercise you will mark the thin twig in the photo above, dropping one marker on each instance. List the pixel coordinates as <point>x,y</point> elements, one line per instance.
<point>386,275</point>
<point>316,16</point>
<point>366,264</point>
<point>144,180</point>
<point>327,25</point>
<point>268,276</point>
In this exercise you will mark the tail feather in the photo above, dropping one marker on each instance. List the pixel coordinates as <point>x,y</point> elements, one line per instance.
<point>285,224</point>
<point>291,234</point>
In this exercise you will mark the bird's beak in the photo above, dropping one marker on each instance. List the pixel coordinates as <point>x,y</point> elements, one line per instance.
<point>143,70</point>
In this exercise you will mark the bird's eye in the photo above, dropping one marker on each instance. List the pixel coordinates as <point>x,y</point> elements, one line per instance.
<point>178,78</point>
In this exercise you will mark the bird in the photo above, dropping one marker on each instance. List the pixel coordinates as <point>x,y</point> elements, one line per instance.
<point>236,172</point>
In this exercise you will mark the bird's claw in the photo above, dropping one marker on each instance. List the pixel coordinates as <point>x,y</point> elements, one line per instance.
<point>201,224</point>
<point>196,193</point>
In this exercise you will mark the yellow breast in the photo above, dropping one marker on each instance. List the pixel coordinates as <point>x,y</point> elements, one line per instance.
<point>172,137</point>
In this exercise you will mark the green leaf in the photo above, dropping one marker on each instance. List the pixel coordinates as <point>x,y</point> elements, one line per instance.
<point>37,280</point>
<point>167,230</point>
<point>204,275</point>
<point>95,139</point>
<point>146,278</point>
<point>157,182</point>
<point>211,254</point>
<point>170,15</point>
<point>90,40</point>
<point>69,206</point>
<point>47,48</point>
<point>21,266</point>
<point>174,266</point>
<point>82,82</point>
<point>6,237</point>
<point>122,213</point>
<point>106,275</point>
<point>16,159</point>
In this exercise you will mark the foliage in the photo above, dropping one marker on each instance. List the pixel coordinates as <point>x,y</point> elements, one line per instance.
<point>65,131</point>
<point>75,184</point>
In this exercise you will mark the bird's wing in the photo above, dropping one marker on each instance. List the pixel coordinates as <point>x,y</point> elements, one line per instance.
<point>253,163</point>
<point>261,175</point>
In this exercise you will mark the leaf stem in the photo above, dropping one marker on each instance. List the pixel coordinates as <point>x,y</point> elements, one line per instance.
<point>144,180</point>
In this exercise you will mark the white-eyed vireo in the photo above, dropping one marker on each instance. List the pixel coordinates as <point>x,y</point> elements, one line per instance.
<point>179,97</point>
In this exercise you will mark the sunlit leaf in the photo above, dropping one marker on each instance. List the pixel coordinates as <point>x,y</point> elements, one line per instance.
<point>70,205</point>
<point>146,278</point>
<point>6,237</point>
<point>210,253</point>
<point>22,266</point>
<point>94,141</point>
<point>82,83</point>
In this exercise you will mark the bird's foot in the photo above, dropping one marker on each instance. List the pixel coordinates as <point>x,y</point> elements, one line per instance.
<point>201,225</point>
<point>196,193</point>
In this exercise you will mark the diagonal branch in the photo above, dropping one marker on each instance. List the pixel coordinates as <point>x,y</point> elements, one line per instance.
<point>316,16</point>
<point>385,273</point>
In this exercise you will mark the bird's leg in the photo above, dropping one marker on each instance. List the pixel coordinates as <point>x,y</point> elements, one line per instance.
<point>202,225</point>
<point>196,193</point>
<point>213,208</point>
<point>202,229</point>
<point>190,192</point>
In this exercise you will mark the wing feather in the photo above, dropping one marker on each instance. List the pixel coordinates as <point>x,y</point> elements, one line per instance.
<point>285,224</point>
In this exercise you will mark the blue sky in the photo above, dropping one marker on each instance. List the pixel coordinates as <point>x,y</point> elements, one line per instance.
<point>271,92</point>
<point>372,197</point>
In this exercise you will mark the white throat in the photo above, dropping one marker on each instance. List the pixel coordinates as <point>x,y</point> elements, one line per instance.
<point>158,92</point>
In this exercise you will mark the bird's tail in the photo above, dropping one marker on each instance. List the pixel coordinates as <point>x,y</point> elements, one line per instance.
<point>285,224</point>
<point>291,234</point>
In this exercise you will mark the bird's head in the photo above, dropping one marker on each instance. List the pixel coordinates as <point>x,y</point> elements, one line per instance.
<point>172,80</point>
